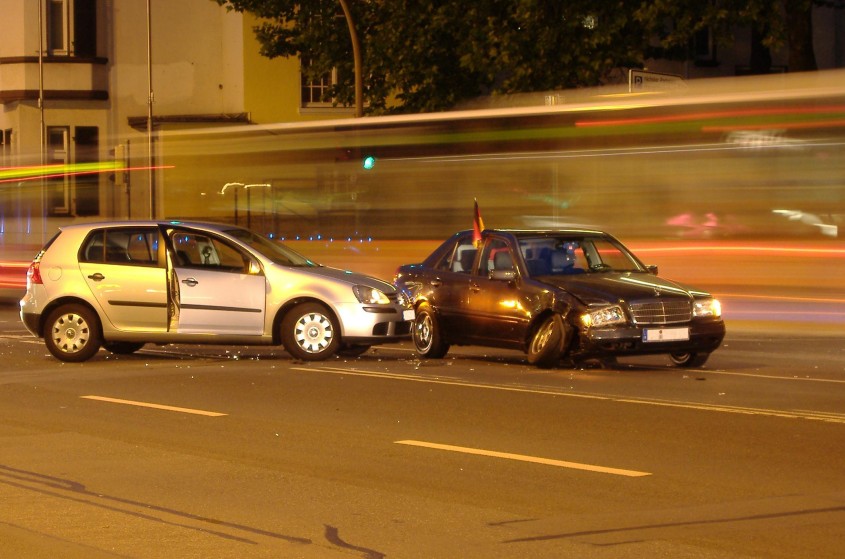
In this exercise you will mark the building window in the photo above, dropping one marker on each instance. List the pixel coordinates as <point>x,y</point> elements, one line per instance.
<point>704,48</point>
<point>86,188</point>
<point>67,192</point>
<point>58,24</point>
<point>315,93</point>
<point>6,147</point>
<point>58,187</point>
<point>72,27</point>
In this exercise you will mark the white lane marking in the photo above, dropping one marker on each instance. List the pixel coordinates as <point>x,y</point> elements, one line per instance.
<point>776,377</point>
<point>829,417</point>
<point>429,380</point>
<point>154,406</point>
<point>526,458</point>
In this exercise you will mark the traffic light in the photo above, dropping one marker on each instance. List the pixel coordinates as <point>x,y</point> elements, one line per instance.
<point>368,162</point>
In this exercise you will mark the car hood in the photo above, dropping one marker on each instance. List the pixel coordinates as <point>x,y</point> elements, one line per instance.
<point>345,276</point>
<point>610,287</point>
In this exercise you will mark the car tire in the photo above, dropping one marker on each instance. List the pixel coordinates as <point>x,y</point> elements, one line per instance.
<point>72,333</point>
<point>690,359</point>
<point>310,332</point>
<point>609,362</point>
<point>353,350</point>
<point>427,335</point>
<point>123,348</point>
<point>546,344</point>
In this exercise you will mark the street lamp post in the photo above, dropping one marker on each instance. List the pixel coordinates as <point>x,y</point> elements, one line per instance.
<point>237,186</point>
<point>41,126</point>
<point>150,111</point>
<point>356,55</point>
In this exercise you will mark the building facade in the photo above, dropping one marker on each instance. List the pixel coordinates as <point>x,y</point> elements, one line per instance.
<point>78,85</point>
<point>76,77</point>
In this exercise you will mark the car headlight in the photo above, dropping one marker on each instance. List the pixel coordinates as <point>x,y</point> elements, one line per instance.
<point>370,295</point>
<point>707,307</point>
<point>607,316</point>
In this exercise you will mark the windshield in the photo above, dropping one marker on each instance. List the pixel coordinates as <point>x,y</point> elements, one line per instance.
<point>575,254</point>
<point>275,251</point>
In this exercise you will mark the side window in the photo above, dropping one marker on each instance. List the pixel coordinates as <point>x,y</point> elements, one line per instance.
<point>133,246</point>
<point>459,259</point>
<point>496,256</point>
<point>463,257</point>
<point>202,251</point>
<point>94,248</point>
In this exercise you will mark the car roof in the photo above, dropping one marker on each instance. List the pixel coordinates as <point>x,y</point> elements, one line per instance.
<point>211,225</point>
<point>526,232</point>
<point>541,232</point>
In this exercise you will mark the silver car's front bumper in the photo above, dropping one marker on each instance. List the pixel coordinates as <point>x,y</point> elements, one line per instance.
<point>374,324</point>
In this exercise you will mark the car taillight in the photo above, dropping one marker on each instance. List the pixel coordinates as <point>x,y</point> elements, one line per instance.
<point>33,274</point>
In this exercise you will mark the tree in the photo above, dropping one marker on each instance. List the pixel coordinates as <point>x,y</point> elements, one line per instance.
<point>774,24</point>
<point>428,55</point>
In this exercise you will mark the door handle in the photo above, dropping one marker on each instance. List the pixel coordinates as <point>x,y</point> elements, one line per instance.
<point>474,287</point>
<point>97,277</point>
<point>190,282</point>
<point>436,283</point>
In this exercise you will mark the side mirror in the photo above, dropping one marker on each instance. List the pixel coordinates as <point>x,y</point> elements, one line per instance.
<point>253,268</point>
<point>503,275</point>
<point>652,269</point>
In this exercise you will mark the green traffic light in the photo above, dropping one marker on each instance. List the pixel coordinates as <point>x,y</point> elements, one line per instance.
<point>369,162</point>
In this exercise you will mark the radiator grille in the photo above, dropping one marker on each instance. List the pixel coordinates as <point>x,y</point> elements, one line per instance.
<point>661,311</point>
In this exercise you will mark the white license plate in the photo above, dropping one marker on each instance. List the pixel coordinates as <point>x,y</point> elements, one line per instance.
<point>665,334</point>
<point>408,315</point>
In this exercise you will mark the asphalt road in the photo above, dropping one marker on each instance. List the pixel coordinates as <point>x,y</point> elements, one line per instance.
<point>208,452</point>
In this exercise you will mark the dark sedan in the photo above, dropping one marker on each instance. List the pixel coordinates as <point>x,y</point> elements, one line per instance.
<point>571,294</point>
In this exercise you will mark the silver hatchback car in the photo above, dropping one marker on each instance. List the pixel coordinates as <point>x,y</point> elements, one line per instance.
<point>120,285</point>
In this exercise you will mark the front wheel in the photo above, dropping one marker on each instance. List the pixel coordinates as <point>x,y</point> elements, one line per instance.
<point>689,359</point>
<point>428,339</point>
<point>310,332</point>
<point>353,350</point>
<point>72,333</point>
<point>547,343</point>
<point>123,348</point>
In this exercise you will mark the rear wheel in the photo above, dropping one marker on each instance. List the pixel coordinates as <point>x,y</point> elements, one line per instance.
<point>428,339</point>
<point>690,359</point>
<point>547,343</point>
<point>310,332</point>
<point>72,333</point>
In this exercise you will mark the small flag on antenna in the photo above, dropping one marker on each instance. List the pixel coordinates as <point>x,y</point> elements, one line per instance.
<point>477,226</point>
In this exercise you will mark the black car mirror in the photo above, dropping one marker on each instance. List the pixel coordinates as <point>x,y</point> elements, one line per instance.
<point>503,275</point>
<point>652,269</point>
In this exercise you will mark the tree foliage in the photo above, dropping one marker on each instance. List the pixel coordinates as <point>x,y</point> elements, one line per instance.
<point>774,24</point>
<point>428,55</point>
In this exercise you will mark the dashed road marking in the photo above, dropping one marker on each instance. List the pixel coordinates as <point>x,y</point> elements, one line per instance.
<point>153,406</point>
<point>526,458</point>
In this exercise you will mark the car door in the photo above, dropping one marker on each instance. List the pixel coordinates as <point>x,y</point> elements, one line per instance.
<point>126,274</point>
<point>448,288</point>
<point>497,313</point>
<point>216,286</point>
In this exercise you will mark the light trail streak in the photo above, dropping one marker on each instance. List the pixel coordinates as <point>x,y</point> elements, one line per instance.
<point>783,251</point>
<point>602,152</point>
<point>717,115</point>
<point>10,174</point>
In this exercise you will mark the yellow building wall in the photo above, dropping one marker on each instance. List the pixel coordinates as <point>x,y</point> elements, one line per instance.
<point>272,86</point>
